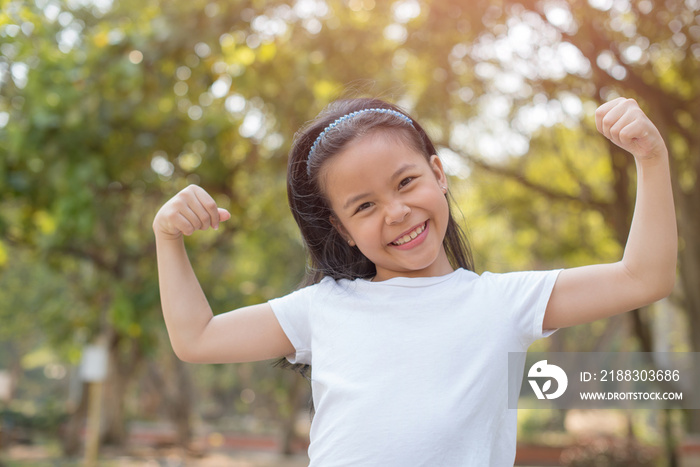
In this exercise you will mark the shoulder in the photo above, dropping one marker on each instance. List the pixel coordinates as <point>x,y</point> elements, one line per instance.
<point>517,276</point>
<point>519,282</point>
<point>326,286</point>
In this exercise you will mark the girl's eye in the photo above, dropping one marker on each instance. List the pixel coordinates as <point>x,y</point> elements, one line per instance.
<point>405,182</point>
<point>363,206</point>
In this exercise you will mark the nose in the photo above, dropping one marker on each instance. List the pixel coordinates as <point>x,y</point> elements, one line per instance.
<point>396,212</point>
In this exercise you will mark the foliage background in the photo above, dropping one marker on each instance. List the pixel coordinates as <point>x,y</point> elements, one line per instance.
<point>108,108</point>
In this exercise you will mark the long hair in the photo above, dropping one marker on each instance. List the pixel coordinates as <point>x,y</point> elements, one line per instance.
<point>329,253</point>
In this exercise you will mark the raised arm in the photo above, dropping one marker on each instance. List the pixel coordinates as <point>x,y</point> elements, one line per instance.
<point>197,336</point>
<point>647,270</point>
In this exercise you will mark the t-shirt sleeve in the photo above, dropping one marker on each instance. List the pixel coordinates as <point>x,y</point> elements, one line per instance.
<point>292,312</point>
<point>528,293</point>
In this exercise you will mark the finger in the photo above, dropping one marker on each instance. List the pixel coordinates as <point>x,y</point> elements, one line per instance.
<point>195,204</point>
<point>603,110</point>
<point>635,131</point>
<point>612,117</point>
<point>192,217</point>
<point>202,215</point>
<point>183,224</point>
<point>626,119</point>
<point>224,215</point>
<point>209,205</point>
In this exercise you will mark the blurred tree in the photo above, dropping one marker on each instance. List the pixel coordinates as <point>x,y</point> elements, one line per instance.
<point>108,109</point>
<point>105,115</point>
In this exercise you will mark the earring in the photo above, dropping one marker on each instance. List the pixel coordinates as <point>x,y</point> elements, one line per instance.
<point>444,189</point>
<point>351,243</point>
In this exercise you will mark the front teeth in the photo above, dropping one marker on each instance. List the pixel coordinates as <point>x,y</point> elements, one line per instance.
<point>410,236</point>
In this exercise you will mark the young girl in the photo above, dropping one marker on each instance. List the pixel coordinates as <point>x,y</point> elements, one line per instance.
<point>408,347</point>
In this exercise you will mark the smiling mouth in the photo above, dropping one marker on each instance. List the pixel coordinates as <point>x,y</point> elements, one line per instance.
<point>410,235</point>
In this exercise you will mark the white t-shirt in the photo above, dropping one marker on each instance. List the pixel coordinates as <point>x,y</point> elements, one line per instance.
<point>414,371</point>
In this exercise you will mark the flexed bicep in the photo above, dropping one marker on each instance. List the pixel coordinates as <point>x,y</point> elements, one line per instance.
<point>246,334</point>
<point>647,270</point>
<point>588,293</point>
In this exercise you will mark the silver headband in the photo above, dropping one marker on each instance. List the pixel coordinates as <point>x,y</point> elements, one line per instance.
<point>347,117</point>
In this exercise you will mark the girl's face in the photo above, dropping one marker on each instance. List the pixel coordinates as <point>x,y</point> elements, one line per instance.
<point>389,201</point>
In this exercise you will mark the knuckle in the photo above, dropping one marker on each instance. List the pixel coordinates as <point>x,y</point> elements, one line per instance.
<point>189,190</point>
<point>178,205</point>
<point>171,212</point>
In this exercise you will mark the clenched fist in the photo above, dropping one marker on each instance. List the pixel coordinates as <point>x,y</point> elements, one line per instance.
<point>190,210</point>
<point>625,124</point>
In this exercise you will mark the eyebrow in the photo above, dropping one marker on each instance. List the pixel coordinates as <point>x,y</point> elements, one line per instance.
<point>352,200</point>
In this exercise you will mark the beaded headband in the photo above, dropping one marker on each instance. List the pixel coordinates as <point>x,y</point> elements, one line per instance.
<point>347,117</point>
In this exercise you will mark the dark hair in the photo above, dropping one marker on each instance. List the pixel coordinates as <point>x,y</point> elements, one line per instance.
<point>329,253</point>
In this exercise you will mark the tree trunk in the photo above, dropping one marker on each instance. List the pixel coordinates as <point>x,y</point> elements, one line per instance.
<point>688,206</point>
<point>288,435</point>
<point>71,441</point>
<point>176,395</point>
<point>113,429</point>
<point>124,358</point>
<point>180,409</point>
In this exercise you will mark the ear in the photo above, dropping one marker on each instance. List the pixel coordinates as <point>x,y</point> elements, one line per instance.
<point>439,172</point>
<point>340,228</point>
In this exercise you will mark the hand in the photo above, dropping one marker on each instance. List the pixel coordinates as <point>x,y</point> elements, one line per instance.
<point>623,122</point>
<point>190,210</point>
